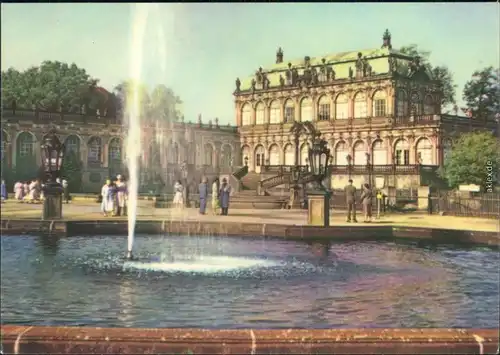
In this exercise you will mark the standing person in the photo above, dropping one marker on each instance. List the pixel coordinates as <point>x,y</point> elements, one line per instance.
<point>34,191</point>
<point>366,200</point>
<point>203,192</point>
<point>107,193</point>
<point>178,196</point>
<point>65,186</point>
<point>215,196</point>
<point>121,196</point>
<point>350,197</point>
<point>3,191</point>
<point>225,191</point>
<point>18,191</point>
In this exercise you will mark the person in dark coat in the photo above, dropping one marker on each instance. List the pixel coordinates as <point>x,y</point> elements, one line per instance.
<point>225,192</point>
<point>350,197</point>
<point>366,200</point>
<point>203,192</point>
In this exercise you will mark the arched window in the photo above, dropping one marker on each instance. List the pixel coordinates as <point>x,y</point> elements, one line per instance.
<point>424,151</point>
<point>289,111</point>
<point>304,154</point>
<point>401,103</point>
<point>360,107</point>
<point>115,150</point>
<point>72,145</point>
<point>208,154</point>
<point>428,105</point>
<point>289,155</point>
<point>275,112</point>
<point>379,104</point>
<point>274,155</point>
<point>415,104</point>
<point>342,107</point>
<point>341,153</point>
<point>379,153</point>
<point>246,115</point>
<point>306,110</point>
<point>260,114</point>
<point>359,153</point>
<point>259,155</point>
<point>226,156</point>
<point>26,145</point>
<point>402,149</point>
<point>94,150</point>
<point>324,108</point>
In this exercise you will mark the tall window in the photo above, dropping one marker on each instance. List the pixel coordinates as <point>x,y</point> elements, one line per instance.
<point>246,115</point>
<point>342,107</point>
<point>289,155</point>
<point>289,111</point>
<point>274,155</point>
<point>402,149</point>
<point>94,150</point>
<point>324,108</point>
<point>275,113</point>
<point>424,151</point>
<point>359,153</point>
<point>306,110</point>
<point>208,153</point>
<point>379,153</point>
<point>260,113</point>
<point>428,105</point>
<point>115,150</point>
<point>379,104</point>
<point>72,145</point>
<point>341,154</point>
<point>304,154</point>
<point>360,107</point>
<point>26,144</point>
<point>401,103</point>
<point>259,156</point>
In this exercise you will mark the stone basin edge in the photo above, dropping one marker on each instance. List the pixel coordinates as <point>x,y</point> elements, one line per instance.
<point>68,228</point>
<point>83,340</point>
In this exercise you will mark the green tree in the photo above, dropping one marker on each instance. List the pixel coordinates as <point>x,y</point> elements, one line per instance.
<point>164,104</point>
<point>27,168</point>
<point>51,86</point>
<point>72,171</point>
<point>482,93</point>
<point>440,73</point>
<point>473,157</point>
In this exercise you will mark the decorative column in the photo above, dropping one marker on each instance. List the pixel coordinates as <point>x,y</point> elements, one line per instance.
<point>333,107</point>
<point>369,103</point>
<point>350,113</point>
<point>254,113</point>
<point>267,113</point>
<point>237,108</point>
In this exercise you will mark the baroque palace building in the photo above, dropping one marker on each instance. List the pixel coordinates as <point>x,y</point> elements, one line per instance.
<point>374,107</point>
<point>99,142</point>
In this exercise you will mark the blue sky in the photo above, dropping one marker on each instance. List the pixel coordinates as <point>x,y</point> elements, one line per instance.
<point>204,47</point>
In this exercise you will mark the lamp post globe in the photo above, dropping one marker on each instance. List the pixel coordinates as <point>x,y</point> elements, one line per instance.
<point>52,160</point>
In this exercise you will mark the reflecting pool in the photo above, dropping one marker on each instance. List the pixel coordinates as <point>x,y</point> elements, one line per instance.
<point>224,282</point>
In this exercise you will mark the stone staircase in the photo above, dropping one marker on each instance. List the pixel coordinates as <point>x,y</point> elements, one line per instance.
<point>247,197</point>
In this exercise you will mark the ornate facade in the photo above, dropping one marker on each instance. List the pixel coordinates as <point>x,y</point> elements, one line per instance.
<point>376,106</point>
<point>203,149</point>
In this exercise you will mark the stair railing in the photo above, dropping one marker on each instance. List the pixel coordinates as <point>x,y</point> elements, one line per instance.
<point>235,178</point>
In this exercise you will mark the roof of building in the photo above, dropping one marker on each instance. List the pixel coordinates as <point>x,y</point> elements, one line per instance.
<point>340,62</point>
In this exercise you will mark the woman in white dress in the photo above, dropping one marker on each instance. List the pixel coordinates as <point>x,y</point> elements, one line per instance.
<point>178,196</point>
<point>19,191</point>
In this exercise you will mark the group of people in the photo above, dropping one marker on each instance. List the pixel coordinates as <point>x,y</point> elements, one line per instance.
<point>114,196</point>
<point>220,194</point>
<point>32,191</point>
<point>366,200</point>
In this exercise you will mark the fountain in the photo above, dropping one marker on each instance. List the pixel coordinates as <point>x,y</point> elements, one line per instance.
<point>132,120</point>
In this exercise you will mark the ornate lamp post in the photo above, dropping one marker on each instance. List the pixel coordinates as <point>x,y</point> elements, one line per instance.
<point>319,198</point>
<point>184,171</point>
<point>52,159</point>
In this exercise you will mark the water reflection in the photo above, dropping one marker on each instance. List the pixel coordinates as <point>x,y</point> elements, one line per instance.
<point>127,300</point>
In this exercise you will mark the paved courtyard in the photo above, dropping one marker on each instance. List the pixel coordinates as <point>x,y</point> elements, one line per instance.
<point>90,211</point>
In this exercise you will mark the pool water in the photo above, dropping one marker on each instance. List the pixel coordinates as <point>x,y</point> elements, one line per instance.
<point>225,282</point>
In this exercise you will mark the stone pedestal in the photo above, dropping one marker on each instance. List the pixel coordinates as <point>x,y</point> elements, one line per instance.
<point>52,205</point>
<point>318,208</point>
<point>423,197</point>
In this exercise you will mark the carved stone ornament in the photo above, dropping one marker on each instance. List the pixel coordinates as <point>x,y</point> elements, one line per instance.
<point>282,81</point>
<point>351,73</point>
<point>238,84</point>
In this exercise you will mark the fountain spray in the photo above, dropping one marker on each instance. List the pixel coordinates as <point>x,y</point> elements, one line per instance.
<point>133,113</point>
